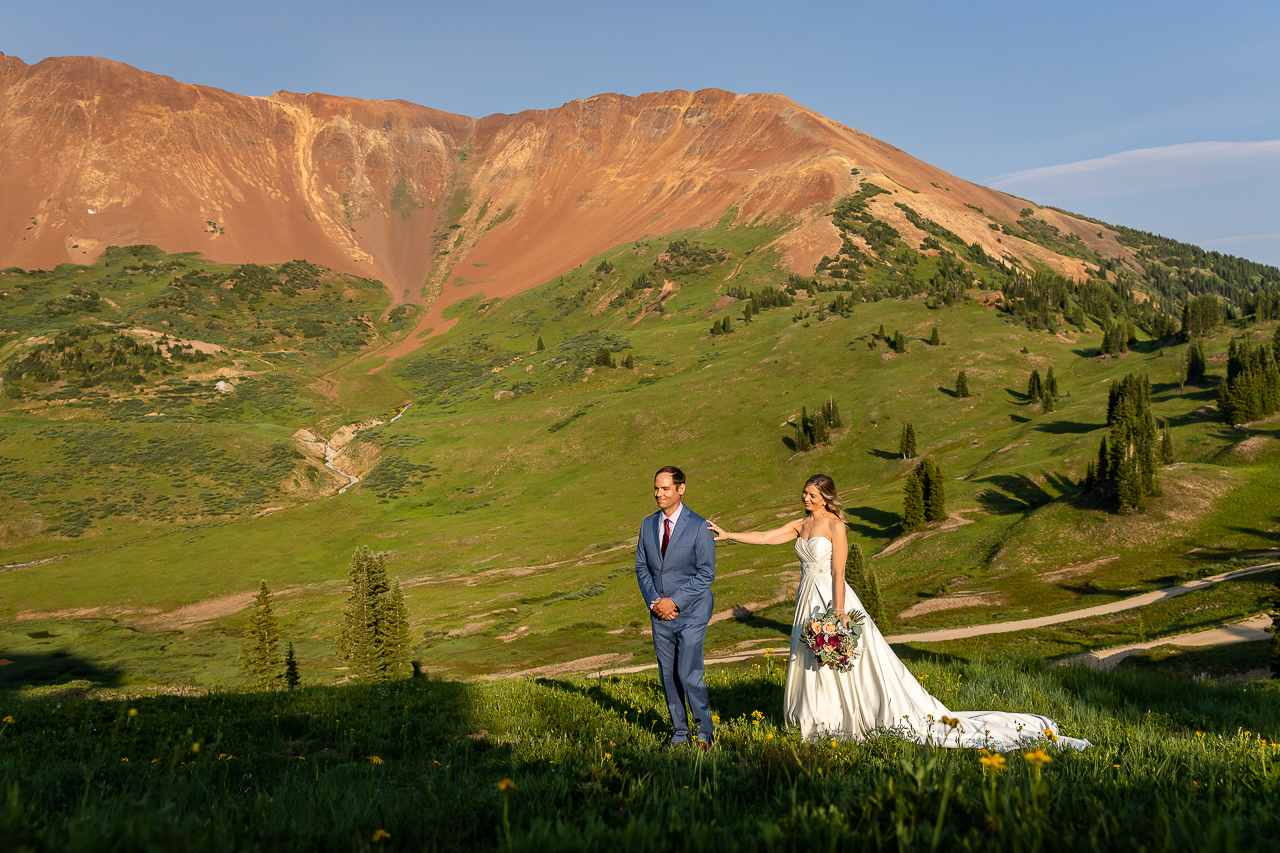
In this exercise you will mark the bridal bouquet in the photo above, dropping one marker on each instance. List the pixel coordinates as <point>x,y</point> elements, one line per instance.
<point>832,643</point>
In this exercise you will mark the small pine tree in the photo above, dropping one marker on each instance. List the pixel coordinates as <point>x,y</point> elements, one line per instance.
<point>1166,445</point>
<point>962,385</point>
<point>821,433</point>
<point>855,571</point>
<point>1035,386</point>
<point>1104,463</point>
<point>803,445</point>
<point>833,414</point>
<point>1046,400</point>
<point>913,517</point>
<point>935,493</point>
<point>1196,364</point>
<point>629,362</point>
<point>907,441</point>
<point>541,345</point>
<point>934,340</point>
<point>866,587</point>
<point>1051,383</point>
<point>260,657</point>
<point>374,640</point>
<point>899,342</point>
<point>880,334</point>
<point>291,676</point>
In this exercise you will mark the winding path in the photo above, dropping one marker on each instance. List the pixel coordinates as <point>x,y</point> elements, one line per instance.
<point>1249,629</point>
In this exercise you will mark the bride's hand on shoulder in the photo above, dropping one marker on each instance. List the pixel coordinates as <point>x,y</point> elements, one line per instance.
<point>720,532</point>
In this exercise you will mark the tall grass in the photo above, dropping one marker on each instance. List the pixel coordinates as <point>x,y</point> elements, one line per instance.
<point>417,766</point>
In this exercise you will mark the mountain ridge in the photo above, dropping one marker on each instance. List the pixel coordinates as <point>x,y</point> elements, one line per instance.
<point>437,205</point>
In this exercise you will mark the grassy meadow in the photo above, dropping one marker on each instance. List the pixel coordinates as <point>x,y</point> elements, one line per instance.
<point>576,764</point>
<point>508,495</point>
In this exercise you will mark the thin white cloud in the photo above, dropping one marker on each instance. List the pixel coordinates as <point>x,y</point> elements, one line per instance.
<point>1146,170</point>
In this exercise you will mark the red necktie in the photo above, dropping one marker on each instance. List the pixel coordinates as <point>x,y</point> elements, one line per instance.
<point>666,535</point>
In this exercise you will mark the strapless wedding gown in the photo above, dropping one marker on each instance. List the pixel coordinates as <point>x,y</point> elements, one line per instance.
<point>879,692</point>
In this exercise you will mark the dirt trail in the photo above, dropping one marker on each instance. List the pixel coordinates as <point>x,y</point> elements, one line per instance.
<point>1070,616</point>
<point>1239,632</point>
<point>1245,631</point>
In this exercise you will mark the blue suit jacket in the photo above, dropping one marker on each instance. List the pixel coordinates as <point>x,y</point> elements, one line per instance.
<point>686,573</point>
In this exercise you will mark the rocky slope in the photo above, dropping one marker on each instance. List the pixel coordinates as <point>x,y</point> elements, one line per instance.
<point>439,206</point>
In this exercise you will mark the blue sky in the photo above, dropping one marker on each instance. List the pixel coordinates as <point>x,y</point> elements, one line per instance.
<point>1163,116</point>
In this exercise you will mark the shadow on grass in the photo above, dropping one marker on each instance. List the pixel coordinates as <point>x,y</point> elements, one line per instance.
<point>1068,428</point>
<point>1018,396</point>
<point>1195,704</point>
<point>910,654</point>
<point>885,522</point>
<point>883,454</point>
<point>44,669</point>
<point>1013,493</point>
<point>950,392</point>
<point>1019,419</point>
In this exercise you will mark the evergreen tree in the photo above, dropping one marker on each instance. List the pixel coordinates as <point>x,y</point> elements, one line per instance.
<point>907,441</point>
<point>934,490</point>
<point>1196,364</point>
<point>833,414</point>
<point>899,342</point>
<point>962,384</point>
<point>880,334</point>
<point>855,571</point>
<point>1035,386</point>
<point>374,640</point>
<point>291,676</point>
<point>1104,464</point>
<point>604,359</point>
<point>803,444</point>
<point>1051,383</point>
<point>1131,457</point>
<point>260,657</point>
<point>821,433</point>
<point>866,587</point>
<point>934,340</point>
<point>1046,400</point>
<point>541,345</point>
<point>913,503</point>
<point>1252,387</point>
<point>1166,445</point>
<point>629,362</point>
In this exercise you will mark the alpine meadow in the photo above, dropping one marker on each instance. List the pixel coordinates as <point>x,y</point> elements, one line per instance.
<point>337,552</point>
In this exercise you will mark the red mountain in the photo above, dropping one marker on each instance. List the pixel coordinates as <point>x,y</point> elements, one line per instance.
<point>97,153</point>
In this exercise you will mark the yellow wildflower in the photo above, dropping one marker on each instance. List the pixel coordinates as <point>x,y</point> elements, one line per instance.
<point>9,720</point>
<point>380,834</point>
<point>373,759</point>
<point>1038,758</point>
<point>195,747</point>
<point>768,737</point>
<point>993,761</point>
<point>133,712</point>
<point>506,786</point>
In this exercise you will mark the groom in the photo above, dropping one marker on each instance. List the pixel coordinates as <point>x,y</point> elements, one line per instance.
<point>675,564</point>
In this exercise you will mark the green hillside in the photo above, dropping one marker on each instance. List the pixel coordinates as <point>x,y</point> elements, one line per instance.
<point>508,495</point>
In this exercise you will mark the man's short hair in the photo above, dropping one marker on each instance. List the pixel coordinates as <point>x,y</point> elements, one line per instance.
<point>677,476</point>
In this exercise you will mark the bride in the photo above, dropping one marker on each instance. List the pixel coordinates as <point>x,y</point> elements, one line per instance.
<point>879,692</point>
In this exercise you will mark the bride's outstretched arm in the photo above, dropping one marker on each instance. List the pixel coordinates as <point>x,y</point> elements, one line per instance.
<point>780,536</point>
<point>839,554</point>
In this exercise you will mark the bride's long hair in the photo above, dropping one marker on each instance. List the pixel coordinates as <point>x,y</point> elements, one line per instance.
<point>827,488</point>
